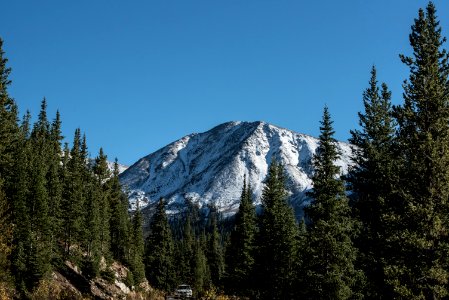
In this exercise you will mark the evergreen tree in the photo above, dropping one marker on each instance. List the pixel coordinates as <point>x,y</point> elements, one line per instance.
<point>101,170</point>
<point>201,273</point>
<point>55,185</point>
<point>119,221</point>
<point>277,240</point>
<point>5,240</point>
<point>418,267</point>
<point>371,180</point>
<point>73,197</point>
<point>20,209</point>
<point>330,257</point>
<point>159,251</point>
<point>241,250</point>
<point>40,248</point>
<point>187,245</point>
<point>137,250</point>
<point>214,250</point>
<point>9,130</point>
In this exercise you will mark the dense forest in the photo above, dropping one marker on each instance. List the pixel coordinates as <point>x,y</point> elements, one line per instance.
<point>379,232</point>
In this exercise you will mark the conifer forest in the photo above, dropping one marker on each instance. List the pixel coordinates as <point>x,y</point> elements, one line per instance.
<point>379,232</point>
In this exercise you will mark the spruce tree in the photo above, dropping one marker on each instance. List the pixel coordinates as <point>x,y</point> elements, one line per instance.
<point>9,130</point>
<point>418,267</point>
<point>73,197</point>
<point>20,209</point>
<point>119,221</point>
<point>101,170</point>
<point>214,250</point>
<point>159,251</point>
<point>41,243</point>
<point>55,185</point>
<point>187,245</point>
<point>371,181</point>
<point>137,250</point>
<point>6,231</point>
<point>277,239</point>
<point>330,254</point>
<point>241,250</point>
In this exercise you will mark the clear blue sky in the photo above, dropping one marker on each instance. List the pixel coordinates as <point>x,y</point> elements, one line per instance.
<point>137,75</point>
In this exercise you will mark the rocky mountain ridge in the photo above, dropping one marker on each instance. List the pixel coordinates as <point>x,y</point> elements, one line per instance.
<point>209,167</point>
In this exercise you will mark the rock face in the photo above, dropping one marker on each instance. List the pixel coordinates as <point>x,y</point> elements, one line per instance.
<point>209,167</point>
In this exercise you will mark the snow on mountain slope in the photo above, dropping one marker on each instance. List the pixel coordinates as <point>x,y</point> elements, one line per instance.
<point>209,167</point>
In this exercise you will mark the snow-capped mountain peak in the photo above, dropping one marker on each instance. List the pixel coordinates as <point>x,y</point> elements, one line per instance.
<point>209,167</point>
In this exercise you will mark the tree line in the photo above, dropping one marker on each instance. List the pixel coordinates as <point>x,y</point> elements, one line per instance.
<point>57,204</point>
<point>379,232</point>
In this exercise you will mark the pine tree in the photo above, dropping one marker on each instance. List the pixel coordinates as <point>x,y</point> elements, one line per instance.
<point>9,130</point>
<point>330,256</point>
<point>6,231</point>
<point>137,250</point>
<point>214,250</point>
<point>101,170</point>
<point>119,221</point>
<point>187,245</point>
<point>159,251</point>
<point>241,250</point>
<point>73,197</point>
<point>55,185</point>
<point>277,240</point>
<point>201,274</point>
<point>20,209</point>
<point>371,180</point>
<point>418,267</point>
<point>40,248</point>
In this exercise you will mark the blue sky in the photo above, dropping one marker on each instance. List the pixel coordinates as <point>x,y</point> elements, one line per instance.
<point>137,75</point>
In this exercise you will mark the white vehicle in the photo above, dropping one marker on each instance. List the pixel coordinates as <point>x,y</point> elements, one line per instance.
<point>184,290</point>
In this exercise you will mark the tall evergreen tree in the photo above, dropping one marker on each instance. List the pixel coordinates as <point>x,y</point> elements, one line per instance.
<point>119,221</point>
<point>330,257</point>
<point>214,249</point>
<point>277,240</point>
<point>137,250</point>
<point>241,250</point>
<point>55,185</point>
<point>371,180</point>
<point>8,125</point>
<point>159,251</point>
<point>187,248</point>
<point>40,248</point>
<point>101,170</point>
<point>73,197</point>
<point>418,267</point>
<point>20,209</point>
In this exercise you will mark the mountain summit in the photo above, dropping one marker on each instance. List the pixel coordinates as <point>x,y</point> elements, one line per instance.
<point>209,167</point>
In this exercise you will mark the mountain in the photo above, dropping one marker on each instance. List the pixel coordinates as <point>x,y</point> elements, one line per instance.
<point>209,167</point>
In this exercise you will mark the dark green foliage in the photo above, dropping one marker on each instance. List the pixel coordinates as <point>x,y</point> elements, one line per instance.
<point>6,231</point>
<point>241,250</point>
<point>330,255</point>
<point>277,240</point>
<point>102,174</point>
<point>137,247</point>
<point>201,272</point>
<point>214,250</point>
<point>371,180</point>
<point>9,130</point>
<point>159,251</point>
<point>418,221</point>
<point>119,220</point>
<point>73,197</point>
<point>186,253</point>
